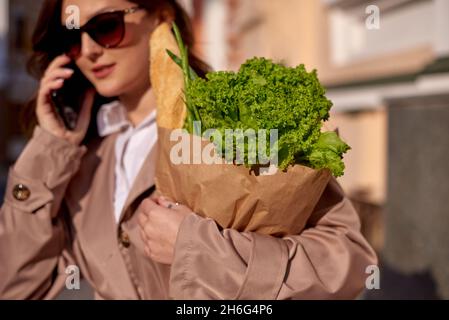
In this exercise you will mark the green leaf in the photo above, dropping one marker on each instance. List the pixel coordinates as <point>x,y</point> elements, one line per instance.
<point>328,153</point>
<point>178,61</point>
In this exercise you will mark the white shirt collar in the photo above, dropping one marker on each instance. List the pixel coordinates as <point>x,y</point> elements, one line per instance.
<point>112,118</point>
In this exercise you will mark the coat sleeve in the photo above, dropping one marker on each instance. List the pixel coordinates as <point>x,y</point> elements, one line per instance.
<point>34,239</point>
<point>327,260</point>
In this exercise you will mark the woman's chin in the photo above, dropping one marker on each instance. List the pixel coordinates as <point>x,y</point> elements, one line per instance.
<point>108,90</point>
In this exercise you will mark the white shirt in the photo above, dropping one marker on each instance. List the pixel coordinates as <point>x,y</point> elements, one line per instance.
<point>132,146</point>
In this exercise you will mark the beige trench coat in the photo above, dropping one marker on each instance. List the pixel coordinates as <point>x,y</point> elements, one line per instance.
<point>67,218</point>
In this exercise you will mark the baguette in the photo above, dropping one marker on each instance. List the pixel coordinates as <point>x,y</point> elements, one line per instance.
<point>167,79</point>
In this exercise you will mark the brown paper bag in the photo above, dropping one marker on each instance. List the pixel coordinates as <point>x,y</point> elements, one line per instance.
<point>234,197</point>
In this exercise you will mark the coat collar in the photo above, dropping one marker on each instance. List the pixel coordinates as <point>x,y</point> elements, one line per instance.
<point>111,119</point>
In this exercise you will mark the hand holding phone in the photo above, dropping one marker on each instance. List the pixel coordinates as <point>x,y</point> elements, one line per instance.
<point>64,103</point>
<point>69,99</point>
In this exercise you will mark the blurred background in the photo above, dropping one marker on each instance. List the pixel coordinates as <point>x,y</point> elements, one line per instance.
<point>385,65</point>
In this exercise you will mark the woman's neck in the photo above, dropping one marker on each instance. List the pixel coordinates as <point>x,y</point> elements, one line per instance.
<point>138,105</point>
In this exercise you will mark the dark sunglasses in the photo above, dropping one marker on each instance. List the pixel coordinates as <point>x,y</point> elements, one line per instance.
<point>107,29</point>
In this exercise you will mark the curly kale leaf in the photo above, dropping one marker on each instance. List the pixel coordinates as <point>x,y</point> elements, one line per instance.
<point>266,95</point>
<point>327,153</point>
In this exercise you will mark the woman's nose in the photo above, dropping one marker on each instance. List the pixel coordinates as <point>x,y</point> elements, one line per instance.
<point>90,48</point>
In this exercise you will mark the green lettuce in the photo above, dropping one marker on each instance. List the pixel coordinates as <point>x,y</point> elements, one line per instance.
<point>265,95</point>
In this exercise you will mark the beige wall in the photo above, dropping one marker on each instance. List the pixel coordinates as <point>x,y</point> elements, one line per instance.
<point>289,30</point>
<point>366,133</point>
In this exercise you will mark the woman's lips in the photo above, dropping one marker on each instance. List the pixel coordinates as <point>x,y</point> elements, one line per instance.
<point>104,71</point>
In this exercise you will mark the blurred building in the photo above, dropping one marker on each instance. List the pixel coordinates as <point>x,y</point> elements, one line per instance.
<point>386,66</point>
<point>17,20</point>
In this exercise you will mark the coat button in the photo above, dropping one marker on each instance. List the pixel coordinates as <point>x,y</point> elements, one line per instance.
<point>21,192</point>
<point>124,239</point>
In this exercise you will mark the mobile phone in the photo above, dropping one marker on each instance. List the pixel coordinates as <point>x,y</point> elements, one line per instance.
<point>67,100</point>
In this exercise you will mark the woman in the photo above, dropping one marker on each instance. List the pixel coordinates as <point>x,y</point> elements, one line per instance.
<point>82,197</point>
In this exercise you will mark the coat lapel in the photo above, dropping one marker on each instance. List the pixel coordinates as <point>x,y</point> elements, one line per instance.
<point>90,200</point>
<point>97,176</point>
<point>91,190</point>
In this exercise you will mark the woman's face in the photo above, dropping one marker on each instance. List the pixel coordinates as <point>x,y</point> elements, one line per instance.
<point>120,70</point>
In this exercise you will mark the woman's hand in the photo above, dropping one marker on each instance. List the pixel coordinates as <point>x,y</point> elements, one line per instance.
<point>159,221</point>
<point>47,116</point>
